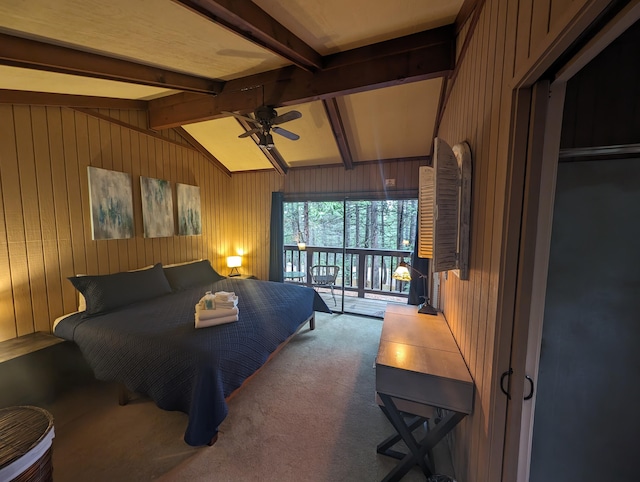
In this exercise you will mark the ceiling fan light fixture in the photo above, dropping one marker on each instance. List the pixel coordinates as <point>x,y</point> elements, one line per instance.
<point>266,121</point>
<point>266,140</point>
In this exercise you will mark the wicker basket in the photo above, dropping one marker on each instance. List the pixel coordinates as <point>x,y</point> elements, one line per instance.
<point>25,444</point>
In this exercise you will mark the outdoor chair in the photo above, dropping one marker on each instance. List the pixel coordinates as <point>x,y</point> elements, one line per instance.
<point>324,276</point>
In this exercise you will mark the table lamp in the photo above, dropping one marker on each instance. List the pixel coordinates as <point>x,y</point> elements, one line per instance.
<point>234,262</point>
<point>402,273</point>
<point>300,240</point>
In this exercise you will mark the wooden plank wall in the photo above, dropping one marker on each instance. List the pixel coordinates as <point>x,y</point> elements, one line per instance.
<point>509,38</point>
<point>45,228</point>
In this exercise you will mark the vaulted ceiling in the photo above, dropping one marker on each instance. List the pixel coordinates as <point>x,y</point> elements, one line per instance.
<point>368,76</point>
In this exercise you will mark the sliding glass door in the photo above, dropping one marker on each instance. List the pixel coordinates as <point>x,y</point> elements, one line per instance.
<point>379,234</point>
<point>314,247</point>
<point>364,239</point>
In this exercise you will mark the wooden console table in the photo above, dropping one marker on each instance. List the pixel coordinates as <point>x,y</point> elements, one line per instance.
<point>419,368</point>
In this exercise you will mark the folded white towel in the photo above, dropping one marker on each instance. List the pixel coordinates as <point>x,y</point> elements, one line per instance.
<point>217,313</point>
<point>226,304</point>
<point>214,321</point>
<point>225,295</point>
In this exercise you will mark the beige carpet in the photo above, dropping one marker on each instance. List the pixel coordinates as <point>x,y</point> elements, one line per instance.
<point>308,415</point>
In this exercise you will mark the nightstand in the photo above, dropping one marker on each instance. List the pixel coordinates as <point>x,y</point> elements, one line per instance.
<point>243,276</point>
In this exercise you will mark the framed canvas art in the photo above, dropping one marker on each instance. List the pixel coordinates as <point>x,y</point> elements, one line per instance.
<point>157,207</point>
<point>111,199</point>
<point>188,210</point>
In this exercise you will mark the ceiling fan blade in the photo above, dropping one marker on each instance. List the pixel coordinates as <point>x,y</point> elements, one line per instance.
<point>286,133</point>
<point>240,116</point>
<point>249,133</point>
<point>286,117</point>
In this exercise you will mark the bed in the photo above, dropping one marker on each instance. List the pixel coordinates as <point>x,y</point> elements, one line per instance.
<point>147,340</point>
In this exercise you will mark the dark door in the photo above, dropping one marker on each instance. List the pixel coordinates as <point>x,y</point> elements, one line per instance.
<point>586,422</point>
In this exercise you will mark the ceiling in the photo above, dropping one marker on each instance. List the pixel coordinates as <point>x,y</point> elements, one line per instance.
<point>366,75</point>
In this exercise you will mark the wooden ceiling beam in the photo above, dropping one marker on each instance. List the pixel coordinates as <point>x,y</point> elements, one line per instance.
<point>290,85</point>
<point>276,159</point>
<point>340,135</point>
<point>248,20</point>
<point>68,100</point>
<point>464,13</point>
<point>31,54</point>
<point>400,45</point>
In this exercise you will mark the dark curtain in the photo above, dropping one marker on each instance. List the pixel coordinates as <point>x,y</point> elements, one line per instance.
<point>276,257</point>
<point>418,287</point>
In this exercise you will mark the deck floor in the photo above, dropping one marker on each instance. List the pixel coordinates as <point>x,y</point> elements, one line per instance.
<point>360,306</point>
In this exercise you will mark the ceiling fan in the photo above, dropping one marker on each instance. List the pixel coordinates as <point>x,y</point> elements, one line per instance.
<point>266,120</point>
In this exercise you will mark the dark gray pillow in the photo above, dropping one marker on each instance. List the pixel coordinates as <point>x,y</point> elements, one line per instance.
<point>190,275</point>
<point>107,292</point>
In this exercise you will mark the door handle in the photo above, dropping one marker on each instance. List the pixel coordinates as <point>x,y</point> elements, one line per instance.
<point>530,396</point>
<point>506,374</point>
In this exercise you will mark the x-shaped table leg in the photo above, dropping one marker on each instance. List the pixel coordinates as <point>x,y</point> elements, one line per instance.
<point>417,450</point>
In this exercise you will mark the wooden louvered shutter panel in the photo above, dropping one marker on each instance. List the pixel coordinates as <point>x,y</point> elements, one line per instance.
<point>426,204</point>
<point>445,243</point>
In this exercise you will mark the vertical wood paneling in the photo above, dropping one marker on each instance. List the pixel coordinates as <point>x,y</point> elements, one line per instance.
<point>523,32</point>
<point>75,168</point>
<point>45,223</point>
<point>136,172</point>
<point>107,155</point>
<point>95,160</point>
<point>482,361</point>
<point>127,166</point>
<point>508,37</point>
<point>493,409</point>
<point>557,8</point>
<point>474,288</point>
<point>31,216</point>
<point>75,201</point>
<point>153,244</point>
<point>169,172</point>
<point>204,195</point>
<point>180,179</point>
<point>174,245</point>
<point>540,21</point>
<point>7,149</point>
<point>15,228</point>
<point>474,114</point>
<point>145,245</point>
<point>14,220</point>
<point>84,160</point>
<point>61,204</point>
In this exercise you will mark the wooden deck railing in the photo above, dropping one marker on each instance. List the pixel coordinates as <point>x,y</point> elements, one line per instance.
<point>365,270</point>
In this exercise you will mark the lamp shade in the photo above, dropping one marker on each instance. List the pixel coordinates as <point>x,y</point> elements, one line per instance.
<point>234,261</point>
<point>402,273</point>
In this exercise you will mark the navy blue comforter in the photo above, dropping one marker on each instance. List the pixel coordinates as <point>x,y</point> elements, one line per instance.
<point>153,348</point>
